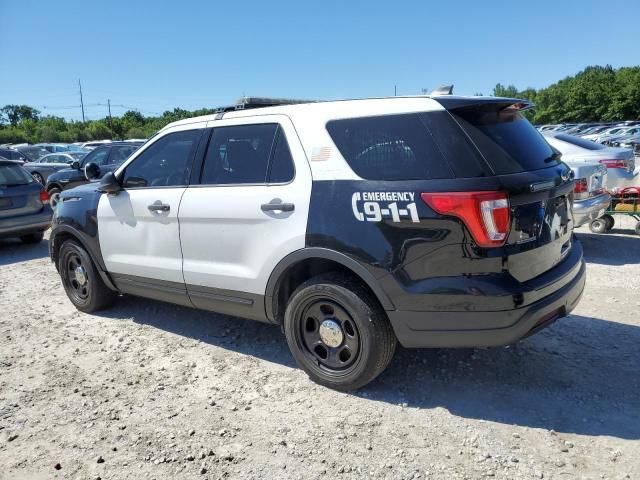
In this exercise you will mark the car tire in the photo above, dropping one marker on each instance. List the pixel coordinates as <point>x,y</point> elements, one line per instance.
<point>54,195</point>
<point>609,220</point>
<point>38,178</point>
<point>637,229</point>
<point>337,332</point>
<point>32,237</point>
<point>81,280</point>
<point>598,226</point>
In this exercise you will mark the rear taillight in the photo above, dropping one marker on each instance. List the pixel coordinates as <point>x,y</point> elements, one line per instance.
<point>44,196</point>
<point>486,214</point>
<point>580,186</point>
<point>614,163</point>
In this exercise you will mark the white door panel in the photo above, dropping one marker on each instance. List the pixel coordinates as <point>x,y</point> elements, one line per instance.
<point>138,241</point>
<point>228,242</point>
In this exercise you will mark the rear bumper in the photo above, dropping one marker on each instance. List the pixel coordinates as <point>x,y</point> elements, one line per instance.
<point>467,329</point>
<point>26,224</point>
<point>587,210</point>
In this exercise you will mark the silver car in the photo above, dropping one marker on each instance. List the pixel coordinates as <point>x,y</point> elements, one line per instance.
<point>620,162</point>
<point>51,163</point>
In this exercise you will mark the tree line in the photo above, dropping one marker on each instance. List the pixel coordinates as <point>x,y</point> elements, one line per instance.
<point>593,95</point>
<point>596,94</point>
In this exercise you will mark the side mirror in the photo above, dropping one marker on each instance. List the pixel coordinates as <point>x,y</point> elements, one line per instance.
<point>109,183</point>
<point>75,164</point>
<point>91,171</point>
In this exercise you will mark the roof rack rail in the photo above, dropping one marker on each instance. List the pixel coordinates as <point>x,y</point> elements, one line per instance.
<point>246,103</point>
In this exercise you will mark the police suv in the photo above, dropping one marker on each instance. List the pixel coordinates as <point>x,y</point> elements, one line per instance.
<point>435,221</point>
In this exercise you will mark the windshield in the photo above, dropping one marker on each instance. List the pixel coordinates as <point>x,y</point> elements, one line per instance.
<point>77,155</point>
<point>12,175</point>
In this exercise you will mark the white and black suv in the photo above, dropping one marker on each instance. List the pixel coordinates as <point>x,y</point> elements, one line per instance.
<point>438,221</point>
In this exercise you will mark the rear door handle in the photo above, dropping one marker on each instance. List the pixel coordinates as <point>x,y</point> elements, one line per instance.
<point>283,207</point>
<point>159,207</point>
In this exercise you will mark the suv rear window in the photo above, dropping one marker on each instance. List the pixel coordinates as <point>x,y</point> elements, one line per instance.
<point>505,138</point>
<point>415,146</point>
<point>11,175</point>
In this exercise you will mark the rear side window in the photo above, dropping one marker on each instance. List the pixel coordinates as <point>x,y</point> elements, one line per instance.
<point>238,154</point>
<point>12,175</point>
<point>391,147</point>
<point>415,146</point>
<point>507,141</point>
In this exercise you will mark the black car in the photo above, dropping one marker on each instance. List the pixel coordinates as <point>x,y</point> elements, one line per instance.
<point>12,154</point>
<point>24,208</point>
<point>107,158</point>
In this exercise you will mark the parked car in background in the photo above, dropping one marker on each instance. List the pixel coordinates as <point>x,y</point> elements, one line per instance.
<point>106,158</point>
<point>53,162</point>
<point>32,152</point>
<point>24,207</point>
<point>620,162</point>
<point>630,142</point>
<point>96,143</point>
<point>12,154</point>
<point>611,140</point>
<point>603,135</point>
<point>53,147</point>
<point>590,197</point>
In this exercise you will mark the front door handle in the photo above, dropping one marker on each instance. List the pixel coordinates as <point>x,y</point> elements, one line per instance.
<point>282,207</point>
<point>159,207</point>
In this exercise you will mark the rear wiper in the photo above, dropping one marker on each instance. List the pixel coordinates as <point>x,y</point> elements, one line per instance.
<point>555,156</point>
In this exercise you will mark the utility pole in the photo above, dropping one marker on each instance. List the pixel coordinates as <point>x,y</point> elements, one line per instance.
<point>395,90</point>
<point>110,125</point>
<point>81,101</point>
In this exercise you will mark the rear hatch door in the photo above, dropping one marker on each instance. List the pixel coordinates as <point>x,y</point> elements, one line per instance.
<point>539,185</point>
<point>19,192</point>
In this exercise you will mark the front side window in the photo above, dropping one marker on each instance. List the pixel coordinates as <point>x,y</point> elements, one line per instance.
<point>165,163</point>
<point>238,155</point>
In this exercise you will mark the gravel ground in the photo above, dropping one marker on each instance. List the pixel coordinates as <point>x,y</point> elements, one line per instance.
<point>150,390</point>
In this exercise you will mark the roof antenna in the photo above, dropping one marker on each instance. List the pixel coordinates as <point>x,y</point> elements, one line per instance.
<point>444,90</point>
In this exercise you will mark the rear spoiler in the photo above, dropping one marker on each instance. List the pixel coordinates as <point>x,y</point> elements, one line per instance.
<point>451,102</point>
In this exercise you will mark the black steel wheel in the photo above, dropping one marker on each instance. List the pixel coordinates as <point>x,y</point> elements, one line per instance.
<point>337,332</point>
<point>81,281</point>
<point>329,335</point>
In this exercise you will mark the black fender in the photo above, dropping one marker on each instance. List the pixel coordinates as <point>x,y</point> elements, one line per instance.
<point>95,255</point>
<point>326,254</point>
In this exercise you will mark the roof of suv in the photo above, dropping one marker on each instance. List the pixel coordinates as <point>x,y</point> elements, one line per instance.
<point>353,107</point>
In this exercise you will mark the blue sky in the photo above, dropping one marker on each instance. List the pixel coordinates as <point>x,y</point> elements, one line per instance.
<point>153,56</point>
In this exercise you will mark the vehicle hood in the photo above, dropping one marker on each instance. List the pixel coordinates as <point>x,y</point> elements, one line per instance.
<point>65,173</point>
<point>81,190</point>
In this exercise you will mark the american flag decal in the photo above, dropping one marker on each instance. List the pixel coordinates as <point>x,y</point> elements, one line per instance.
<point>320,154</point>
